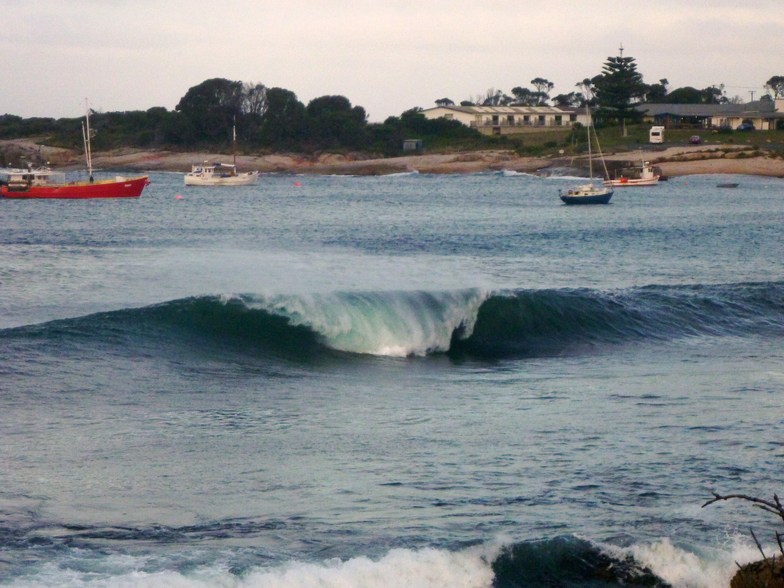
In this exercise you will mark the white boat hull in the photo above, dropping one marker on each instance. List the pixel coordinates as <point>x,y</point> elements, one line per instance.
<point>244,179</point>
<point>644,175</point>
<point>630,182</point>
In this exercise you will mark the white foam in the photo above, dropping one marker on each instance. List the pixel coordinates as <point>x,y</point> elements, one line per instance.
<point>713,568</point>
<point>509,173</point>
<point>395,324</point>
<point>426,568</point>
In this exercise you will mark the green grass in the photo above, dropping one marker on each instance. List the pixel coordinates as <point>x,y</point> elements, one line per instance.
<point>612,139</point>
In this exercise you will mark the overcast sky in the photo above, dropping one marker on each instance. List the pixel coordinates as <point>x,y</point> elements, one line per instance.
<point>384,55</point>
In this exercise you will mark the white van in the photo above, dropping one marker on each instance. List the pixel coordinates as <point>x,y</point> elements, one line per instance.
<point>657,135</point>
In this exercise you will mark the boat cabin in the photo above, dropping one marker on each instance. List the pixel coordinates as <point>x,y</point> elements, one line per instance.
<point>22,179</point>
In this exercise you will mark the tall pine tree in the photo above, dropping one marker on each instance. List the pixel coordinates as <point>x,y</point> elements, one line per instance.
<point>618,88</point>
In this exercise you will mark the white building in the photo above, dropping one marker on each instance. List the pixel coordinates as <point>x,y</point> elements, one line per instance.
<point>503,120</point>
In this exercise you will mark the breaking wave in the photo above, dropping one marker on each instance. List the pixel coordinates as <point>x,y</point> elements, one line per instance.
<point>473,322</point>
<point>566,561</point>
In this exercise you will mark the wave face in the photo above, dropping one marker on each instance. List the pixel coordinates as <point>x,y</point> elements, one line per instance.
<point>568,562</point>
<point>464,323</point>
<point>549,322</point>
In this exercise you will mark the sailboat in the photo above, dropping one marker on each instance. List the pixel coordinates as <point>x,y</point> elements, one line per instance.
<point>221,174</point>
<point>591,192</point>
<point>43,183</point>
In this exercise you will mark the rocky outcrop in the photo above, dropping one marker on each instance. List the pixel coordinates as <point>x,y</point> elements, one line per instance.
<point>760,574</point>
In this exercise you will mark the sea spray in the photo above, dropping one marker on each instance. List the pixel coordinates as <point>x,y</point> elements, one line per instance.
<point>681,568</point>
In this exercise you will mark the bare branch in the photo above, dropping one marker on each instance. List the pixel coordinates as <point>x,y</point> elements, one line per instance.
<point>774,507</point>
<point>764,557</point>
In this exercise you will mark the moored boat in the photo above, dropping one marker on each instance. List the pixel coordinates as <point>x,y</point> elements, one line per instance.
<point>641,175</point>
<point>45,183</point>
<point>219,174</point>
<point>118,187</point>
<point>590,192</point>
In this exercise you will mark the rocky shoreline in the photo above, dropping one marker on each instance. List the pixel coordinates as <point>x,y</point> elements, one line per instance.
<point>673,161</point>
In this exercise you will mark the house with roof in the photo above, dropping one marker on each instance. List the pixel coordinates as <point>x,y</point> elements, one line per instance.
<point>763,114</point>
<point>506,120</point>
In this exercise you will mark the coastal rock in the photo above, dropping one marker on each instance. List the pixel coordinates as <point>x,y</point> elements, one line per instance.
<point>760,574</point>
<point>18,152</point>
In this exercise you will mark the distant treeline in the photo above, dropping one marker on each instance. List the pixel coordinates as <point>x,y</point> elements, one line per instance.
<point>266,119</point>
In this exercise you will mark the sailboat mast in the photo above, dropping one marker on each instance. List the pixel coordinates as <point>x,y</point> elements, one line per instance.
<point>590,157</point>
<point>234,142</point>
<point>88,155</point>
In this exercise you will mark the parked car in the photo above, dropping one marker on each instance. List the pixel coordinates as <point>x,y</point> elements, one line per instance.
<point>695,140</point>
<point>747,126</point>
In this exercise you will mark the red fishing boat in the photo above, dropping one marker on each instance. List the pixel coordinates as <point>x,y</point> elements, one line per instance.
<point>118,187</point>
<point>45,183</point>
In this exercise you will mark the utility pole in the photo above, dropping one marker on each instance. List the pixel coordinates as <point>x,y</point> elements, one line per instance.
<point>752,95</point>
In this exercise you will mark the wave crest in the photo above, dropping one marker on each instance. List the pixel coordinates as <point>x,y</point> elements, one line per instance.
<point>472,322</point>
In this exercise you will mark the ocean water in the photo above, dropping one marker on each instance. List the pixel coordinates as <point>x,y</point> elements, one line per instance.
<point>410,380</point>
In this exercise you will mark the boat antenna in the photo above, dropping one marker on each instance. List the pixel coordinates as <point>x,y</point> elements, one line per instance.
<point>234,141</point>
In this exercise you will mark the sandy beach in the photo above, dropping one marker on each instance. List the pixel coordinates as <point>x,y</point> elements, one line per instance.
<point>673,161</point>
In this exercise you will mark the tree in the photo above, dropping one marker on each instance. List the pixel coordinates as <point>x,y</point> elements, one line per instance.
<point>657,92</point>
<point>690,95</point>
<point>526,97</point>
<point>570,99</point>
<point>588,91</point>
<point>523,96</point>
<point>211,108</point>
<point>618,88</point>
<point>685,95</point>
<point>254,99</point>
<point>444,102</point>
<point>496,98</point>
<point>283,123</point>
<point>776,85</point>
<point>544,87</point>
<point>333,122</point>
<point>713,94</point>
